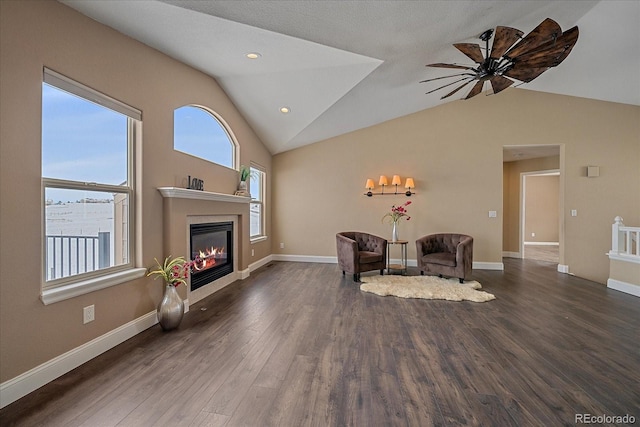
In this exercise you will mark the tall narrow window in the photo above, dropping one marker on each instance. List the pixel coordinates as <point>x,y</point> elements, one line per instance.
<point>199,132</point>
<point>257,187</point>
<point>87,179</point>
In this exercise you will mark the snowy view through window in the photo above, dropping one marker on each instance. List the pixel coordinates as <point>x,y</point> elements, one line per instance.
<point>84,152</point>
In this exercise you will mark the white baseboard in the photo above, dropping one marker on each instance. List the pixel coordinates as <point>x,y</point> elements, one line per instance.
<point>411,262</point>
<point>243,274</point>
<point>627,288</point>
<point>542,243</point>
<point>25,383</point>
<point>306,258</point>
<point>563,268</point>
<point>488,266</point>
<point>261,262</point>
<point>507,254</point>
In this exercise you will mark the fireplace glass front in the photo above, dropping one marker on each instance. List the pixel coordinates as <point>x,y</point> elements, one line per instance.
<point>212,251</point>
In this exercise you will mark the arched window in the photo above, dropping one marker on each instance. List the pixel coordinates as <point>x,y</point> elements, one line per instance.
<point>200,132</point>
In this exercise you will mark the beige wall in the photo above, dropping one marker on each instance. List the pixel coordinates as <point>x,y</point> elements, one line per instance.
<point>541,208</point>
<point>454,152</point>
<point>624,271</point>
<point>46,33</point>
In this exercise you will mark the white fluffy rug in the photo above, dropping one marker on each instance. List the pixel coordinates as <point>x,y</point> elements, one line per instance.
<point>425,287</point>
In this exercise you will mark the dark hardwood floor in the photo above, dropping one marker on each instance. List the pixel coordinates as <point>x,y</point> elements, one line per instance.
<point>299,345</point>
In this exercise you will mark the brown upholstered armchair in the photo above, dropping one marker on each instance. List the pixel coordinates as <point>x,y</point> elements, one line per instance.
<point>359,252</point>
<point>445,254</point>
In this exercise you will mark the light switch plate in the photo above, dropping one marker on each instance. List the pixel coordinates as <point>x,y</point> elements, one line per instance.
<point>493,214</point>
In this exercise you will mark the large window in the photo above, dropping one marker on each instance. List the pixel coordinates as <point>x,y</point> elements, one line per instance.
<point>257,186</point>
<point>87,178</point>
<point>198,132</point>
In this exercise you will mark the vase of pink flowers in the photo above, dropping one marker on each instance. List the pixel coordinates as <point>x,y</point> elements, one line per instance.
<point>171,308</point>
<point>396,214</point>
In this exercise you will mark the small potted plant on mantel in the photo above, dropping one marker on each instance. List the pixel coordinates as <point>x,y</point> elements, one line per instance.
<point>245,174</point>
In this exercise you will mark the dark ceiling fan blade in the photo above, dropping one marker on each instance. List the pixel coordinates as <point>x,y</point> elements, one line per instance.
<point>476,89</point>
<point>499,83</point>
<point>550,54</point>
<point>547,31</point>
<point>471,50</point>
<point>525,74</point>
<point>446,77</point>
<point>448,84</point>
<point>569,44</point>
<point>442,65</point>
<point>503,39</point>
<point>456,89</point>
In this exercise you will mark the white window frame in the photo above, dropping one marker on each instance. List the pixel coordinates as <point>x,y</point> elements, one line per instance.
<point>235,147</point>
<point>68,287</point>
<point>261,199</point>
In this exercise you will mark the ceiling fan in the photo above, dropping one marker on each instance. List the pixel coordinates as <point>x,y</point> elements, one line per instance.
<point>511,57</point>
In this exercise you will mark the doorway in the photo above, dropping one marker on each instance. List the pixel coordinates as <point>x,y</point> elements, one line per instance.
<point>533,202</point>
<point>540,221</point>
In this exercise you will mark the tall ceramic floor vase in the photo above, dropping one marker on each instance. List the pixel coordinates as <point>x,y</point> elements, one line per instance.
<point>170,309</point>
<point>394,232</point>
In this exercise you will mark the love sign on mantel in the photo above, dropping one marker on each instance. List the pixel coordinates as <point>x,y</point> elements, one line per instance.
<point>195,184</point>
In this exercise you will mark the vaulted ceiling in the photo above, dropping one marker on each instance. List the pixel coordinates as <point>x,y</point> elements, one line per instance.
<point>344,65</point>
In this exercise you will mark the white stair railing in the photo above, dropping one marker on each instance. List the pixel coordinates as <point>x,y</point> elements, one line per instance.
<point>625,241</point>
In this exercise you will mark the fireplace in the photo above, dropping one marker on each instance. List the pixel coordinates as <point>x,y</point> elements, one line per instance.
<point>212,251</point>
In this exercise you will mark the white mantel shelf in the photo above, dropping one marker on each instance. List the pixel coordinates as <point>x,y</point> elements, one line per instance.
<point>185,193</point>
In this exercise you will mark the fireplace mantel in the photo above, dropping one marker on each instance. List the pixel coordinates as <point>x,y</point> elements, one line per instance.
<point>183,207</point>
<point>185,193</point>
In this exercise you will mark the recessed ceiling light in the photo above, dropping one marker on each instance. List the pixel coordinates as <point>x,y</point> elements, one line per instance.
<point>253,55</point>
<point>284,110</point>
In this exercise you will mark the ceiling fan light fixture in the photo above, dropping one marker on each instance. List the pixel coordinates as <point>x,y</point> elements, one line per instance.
<point>486,35</point>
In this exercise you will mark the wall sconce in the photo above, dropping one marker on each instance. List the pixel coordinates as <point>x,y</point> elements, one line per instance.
<point>383,182</point>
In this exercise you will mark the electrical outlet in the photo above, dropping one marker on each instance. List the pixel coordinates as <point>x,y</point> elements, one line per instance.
<point>574,212</point>
<point>89,314</point>
<point>281,245</point>
<point>533,234</point>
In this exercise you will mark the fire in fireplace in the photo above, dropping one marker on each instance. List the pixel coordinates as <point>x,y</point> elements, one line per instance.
<point>209,258</point>
<point>212,251</point>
